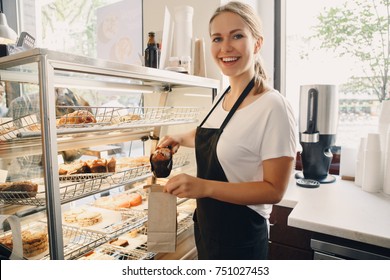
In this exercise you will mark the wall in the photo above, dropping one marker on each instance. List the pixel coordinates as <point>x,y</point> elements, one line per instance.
<point>154,19</point>
<point>9,9</point>
<point>266,12</point>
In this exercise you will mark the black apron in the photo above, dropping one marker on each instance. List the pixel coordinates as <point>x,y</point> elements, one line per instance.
<point>224,230</point>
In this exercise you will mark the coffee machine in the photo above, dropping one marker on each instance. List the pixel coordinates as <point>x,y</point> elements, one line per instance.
<point>318,118</point>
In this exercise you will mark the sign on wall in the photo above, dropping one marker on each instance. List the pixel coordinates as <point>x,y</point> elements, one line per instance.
<point>120,33</point>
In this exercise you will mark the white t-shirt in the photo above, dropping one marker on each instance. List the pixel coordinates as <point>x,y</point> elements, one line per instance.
<point>262,130</point>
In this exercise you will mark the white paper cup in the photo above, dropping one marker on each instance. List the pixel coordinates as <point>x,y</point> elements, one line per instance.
<point>347,161</point>
<point>373,169</point>
<point>384,122</point>
<point>360,162</point>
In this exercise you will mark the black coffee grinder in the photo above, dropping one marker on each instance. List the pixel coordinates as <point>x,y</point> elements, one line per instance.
<point>317,133</point>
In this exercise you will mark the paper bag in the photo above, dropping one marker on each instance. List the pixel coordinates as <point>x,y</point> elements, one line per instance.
<point>162,221</point>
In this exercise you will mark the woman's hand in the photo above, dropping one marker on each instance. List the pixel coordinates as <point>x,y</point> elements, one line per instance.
<point>186,186</point>
<point>171,141</point>
<point>175,141</point>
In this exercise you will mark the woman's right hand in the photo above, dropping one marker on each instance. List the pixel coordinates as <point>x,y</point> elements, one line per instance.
<point>186,139</point>
<point>172,141</point>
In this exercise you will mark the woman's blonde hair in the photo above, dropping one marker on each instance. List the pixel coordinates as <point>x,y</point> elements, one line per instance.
<point>251,18</point>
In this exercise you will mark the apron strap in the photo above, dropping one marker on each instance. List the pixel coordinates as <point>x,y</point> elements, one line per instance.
<point>219,100</point>
<point>238,103</point>
<point>235,106</point>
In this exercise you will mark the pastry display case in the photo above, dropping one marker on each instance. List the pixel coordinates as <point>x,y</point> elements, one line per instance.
<point>75,139</point>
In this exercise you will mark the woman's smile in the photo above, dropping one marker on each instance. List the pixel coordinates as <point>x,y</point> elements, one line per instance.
<point>229,60</point>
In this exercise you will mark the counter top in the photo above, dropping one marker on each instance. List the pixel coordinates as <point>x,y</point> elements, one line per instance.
<point>340,209</point>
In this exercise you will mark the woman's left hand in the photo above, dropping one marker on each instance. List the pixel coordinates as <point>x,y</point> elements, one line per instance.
<point>185,186</point>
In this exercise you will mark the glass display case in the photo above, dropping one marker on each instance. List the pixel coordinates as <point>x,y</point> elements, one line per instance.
<point>75,138</point>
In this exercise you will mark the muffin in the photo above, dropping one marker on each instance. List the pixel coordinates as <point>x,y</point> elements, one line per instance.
<point>161,162</point>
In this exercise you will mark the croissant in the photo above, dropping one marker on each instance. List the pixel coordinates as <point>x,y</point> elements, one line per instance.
<point>77,117</point>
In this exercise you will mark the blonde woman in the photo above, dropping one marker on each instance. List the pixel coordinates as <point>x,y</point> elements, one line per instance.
<point>245,146</point>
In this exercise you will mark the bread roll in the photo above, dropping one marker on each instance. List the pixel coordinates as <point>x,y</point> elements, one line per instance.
<point>111,164</point>
<point>34,243</point>
<point>77,117</point>
<point>89,218</point>
<point>22,189</point>
<point>119,242</point>
<point>126,119</point>
<point>98,165</point>
<point>78,167</point>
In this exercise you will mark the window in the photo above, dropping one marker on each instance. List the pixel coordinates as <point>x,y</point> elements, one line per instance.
<point>108,29</point>
<point>308,62</point>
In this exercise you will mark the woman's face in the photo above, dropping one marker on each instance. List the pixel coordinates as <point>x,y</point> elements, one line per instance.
<point>232,45</point>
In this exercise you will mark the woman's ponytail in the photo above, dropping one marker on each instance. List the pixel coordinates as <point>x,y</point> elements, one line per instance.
<point>260,74</point>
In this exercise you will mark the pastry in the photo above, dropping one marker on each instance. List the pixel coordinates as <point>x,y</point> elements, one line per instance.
<point>77,117</point>
<point>124,200</point>
<point>5,185</point>
<point>106,202</point>
<point>70,216</point>
<point>125,119</point>
<point>34,127</point>
<point>111,164</point>
<point>4,130</point>
<point>90,166</point>
<point>161,162</point>
<point>119,242</point>
<point>135,199</point>
<point>89,218</point>
<point>78,167</point>
<point>97,165</point>
<point>130,162</point>
<point>34,243</point>
<point>96,256</point>
<point>162,154</point>
<point>133,233</point>
<point>22,189</point>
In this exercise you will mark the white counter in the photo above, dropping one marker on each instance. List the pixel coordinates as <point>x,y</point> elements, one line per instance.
<point>340,209</point>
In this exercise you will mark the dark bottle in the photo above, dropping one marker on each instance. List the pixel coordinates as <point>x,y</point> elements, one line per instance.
<point>151,52</point>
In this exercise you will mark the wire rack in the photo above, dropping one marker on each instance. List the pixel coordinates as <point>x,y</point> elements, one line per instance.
<point>11,129</point>
<point>78,242</point>
<point>132,215</point>
<point>77,186</point>
<point>140,252</point>
<point>131,220</point>
<point>184,224</point>
<point>94,119</point>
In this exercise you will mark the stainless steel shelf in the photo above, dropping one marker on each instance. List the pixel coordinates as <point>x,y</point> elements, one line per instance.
<point>72,68</point>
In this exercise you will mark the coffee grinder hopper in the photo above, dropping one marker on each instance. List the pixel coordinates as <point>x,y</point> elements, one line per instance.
<point>318,118</point>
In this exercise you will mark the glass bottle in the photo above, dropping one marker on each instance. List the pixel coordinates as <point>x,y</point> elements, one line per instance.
<point>151,52</point>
